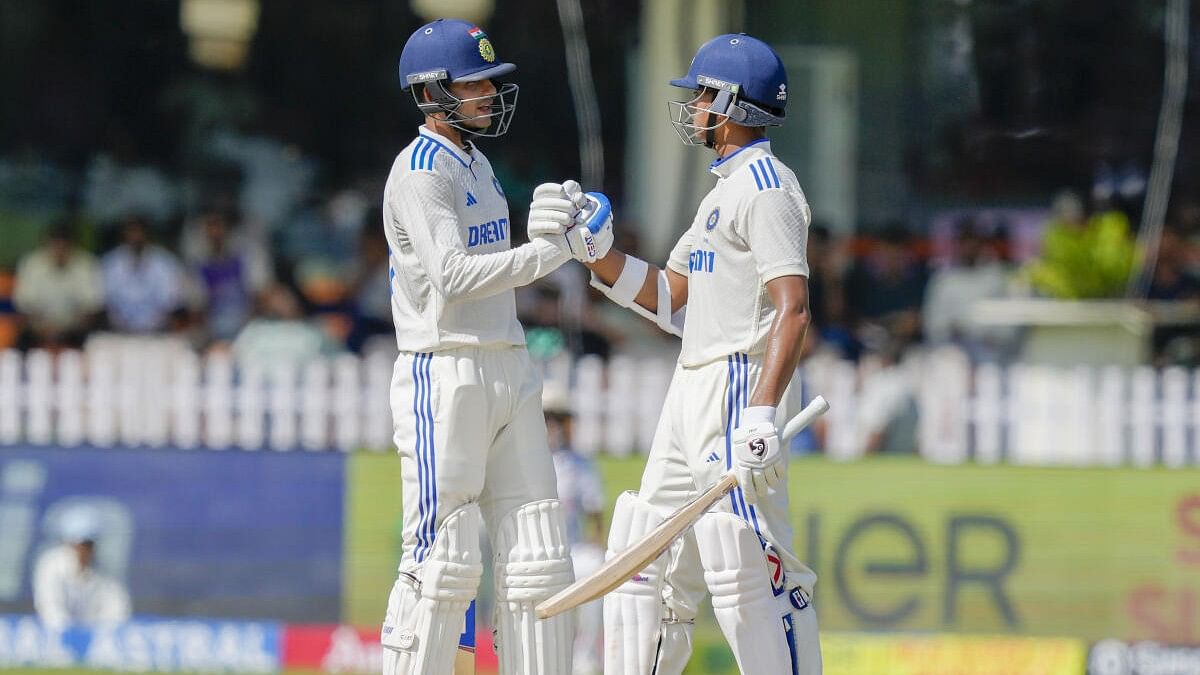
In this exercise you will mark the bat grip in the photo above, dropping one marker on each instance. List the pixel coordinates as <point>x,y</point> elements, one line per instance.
<point>811,412</point>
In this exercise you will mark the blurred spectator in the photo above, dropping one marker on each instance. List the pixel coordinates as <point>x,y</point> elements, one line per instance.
<point>60,292</point>
<point>231,270</point>
<point>371,291</point>
<point>67,588</point>
<point>977,273</point>
<point>887,288</point>
<point>1083,257</point>
<point>280,335</point>
<point>581,494</point>
<point>887,406</point>
<point>1172,279</point>
<point>143,282</point>
<point>827,295</point>
<point>118,186</point>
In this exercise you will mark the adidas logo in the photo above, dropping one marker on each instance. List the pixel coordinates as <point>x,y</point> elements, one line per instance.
<point>712,457</point>
<point>471,201</point>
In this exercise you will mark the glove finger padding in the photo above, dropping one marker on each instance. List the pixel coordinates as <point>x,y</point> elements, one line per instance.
<point>549,190</point>
<point>574,192</point>
<point>556,203</point>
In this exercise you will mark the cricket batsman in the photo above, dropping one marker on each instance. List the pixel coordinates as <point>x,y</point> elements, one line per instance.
<point>466,401</point>
<point>741,270</point>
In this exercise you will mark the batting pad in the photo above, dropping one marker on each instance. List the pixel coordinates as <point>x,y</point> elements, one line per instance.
<point>425,618</point>
<point>633,612</point>
<point>533,562</point>
<point>739,579</point>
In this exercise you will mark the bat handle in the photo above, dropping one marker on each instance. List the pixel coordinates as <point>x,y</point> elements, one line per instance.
<point>811,412</point>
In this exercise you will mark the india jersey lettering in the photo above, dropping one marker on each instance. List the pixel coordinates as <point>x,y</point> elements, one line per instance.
<point>752,227</point>
<point>452,268</point>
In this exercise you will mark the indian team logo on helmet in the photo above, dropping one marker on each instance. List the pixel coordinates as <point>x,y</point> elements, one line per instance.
<point>713,218</point>
<point>486,50</point>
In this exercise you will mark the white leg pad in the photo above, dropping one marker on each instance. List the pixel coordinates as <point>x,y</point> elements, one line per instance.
<point>674,648</point>
<point>744,603</point>
<point>533,562</point>
<point>806,640</point>
<point>426,610</point>
<point>633,613</point>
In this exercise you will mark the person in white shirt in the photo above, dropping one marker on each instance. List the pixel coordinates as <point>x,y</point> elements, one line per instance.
<point>466,399</point>
<point>59,291</point>
<point>67,588</point>
<point>143,282</point>
<point>741,270</point>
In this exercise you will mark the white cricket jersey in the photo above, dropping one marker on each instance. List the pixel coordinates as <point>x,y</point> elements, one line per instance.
<point>752,227</point>
<point>452,265</point>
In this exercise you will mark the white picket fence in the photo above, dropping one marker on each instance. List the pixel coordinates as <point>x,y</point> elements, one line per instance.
<point>159,393</point>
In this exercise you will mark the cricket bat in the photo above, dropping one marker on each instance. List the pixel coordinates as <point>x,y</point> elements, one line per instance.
<point>634,559</point>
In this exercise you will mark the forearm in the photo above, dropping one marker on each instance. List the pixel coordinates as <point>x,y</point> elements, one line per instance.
<point>608,269</point>
<point>784,347</point>
<point>470,277</point>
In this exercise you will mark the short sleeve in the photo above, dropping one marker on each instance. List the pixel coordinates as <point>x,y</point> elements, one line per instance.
<point>776,226</point>
<point>678,261</point>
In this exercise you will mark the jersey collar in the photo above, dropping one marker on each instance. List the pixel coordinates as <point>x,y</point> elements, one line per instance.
<point>461,155</point>
<point>725,166</point>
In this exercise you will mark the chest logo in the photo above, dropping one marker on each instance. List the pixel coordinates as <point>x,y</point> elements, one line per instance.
<point>471,201</point>
<point>487,233</point>
<point>713,219</point>
<point>496,184</point>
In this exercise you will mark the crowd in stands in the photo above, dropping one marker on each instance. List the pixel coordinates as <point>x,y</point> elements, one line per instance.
<point>275,275</point>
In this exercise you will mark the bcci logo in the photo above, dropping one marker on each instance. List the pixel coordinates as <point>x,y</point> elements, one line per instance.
<point>758,448</point>
<point>496,184</point>
<point>712,219</point>
<point>486,51</point>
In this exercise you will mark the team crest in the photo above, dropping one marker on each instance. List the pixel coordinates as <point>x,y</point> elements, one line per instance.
<point>496,184</point>
<point>713,218</point>
<point>486,51</point>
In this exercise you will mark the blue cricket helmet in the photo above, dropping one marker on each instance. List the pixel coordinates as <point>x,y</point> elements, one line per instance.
<point>451,50</point>
<point>748,72</point>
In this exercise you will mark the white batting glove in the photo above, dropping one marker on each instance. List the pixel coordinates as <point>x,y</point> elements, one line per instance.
<point>758,461</point>
<point>551,213</point>
<point>592,238</point>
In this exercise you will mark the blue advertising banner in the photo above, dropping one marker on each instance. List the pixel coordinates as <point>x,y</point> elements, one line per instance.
<point>153,645</point>
<point>231,534</point>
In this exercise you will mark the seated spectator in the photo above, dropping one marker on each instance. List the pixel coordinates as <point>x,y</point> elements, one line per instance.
<point>59,292</point>
<point>143,282</point>
<point>68,590</point>
<point>231,271</point>
<point>977,273</point>
<point>827,296</point>
<point>371,291</point>
<point>886,287</point>
<point>1083,256</point>
<point>280,335</point>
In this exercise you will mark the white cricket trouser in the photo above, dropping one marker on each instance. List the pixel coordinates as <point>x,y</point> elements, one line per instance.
<point>691,450</point>
<point>469,428</point>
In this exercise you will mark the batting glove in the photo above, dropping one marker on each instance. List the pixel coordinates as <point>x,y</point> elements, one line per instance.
<point>758,461</point>
<point>550,213</point>
<point>592,237</point>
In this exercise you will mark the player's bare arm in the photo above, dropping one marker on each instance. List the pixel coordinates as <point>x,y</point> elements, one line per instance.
<point>789,294</point>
